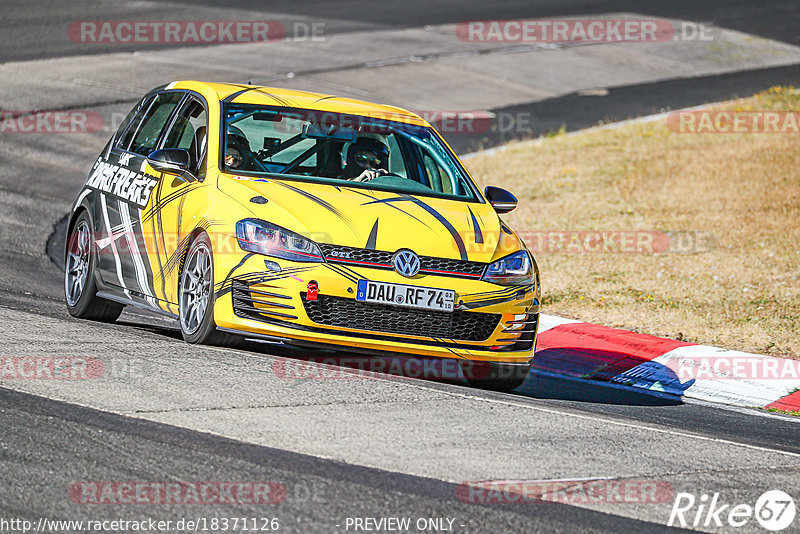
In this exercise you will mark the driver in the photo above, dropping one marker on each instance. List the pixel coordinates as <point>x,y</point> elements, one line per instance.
<point>236,148</point>
<point>367,159</point>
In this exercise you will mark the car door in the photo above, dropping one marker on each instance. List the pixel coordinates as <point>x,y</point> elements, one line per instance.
<point>188,131</point>
<point>126,197</point>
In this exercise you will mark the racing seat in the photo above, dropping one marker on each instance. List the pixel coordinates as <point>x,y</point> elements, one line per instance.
<point>330,160</point>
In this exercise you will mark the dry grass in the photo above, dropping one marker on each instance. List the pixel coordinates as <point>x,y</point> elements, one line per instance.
<point>785,412</point>
<point>744,189</point>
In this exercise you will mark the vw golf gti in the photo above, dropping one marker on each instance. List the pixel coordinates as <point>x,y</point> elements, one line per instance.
<point>305,219</point>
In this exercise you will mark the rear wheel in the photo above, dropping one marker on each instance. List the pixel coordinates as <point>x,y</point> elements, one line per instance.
<point>80,290</point>
<point>196,296</point>
<point>495,376</point>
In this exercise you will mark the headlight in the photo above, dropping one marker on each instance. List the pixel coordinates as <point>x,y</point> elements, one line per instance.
<point>514,269</point>
<point>271,240</point>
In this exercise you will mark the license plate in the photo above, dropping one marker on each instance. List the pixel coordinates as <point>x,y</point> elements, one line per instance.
<point>427,298</point>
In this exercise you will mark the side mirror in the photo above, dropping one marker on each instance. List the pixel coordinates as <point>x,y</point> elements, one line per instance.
<point>172,161</point>
<point>501,200</point>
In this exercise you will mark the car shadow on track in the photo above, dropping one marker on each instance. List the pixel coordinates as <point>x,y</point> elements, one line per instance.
<point>545,380</point>
<point>316,365</point>
<point>588,374</point>
<point>545,386</point>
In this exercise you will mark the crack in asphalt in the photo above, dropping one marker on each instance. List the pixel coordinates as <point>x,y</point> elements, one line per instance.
<point>789,467</point>
<point>267,406</point>
<point>424,58</point>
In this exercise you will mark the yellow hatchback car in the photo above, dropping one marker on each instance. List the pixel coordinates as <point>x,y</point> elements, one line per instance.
<point>305,219</point>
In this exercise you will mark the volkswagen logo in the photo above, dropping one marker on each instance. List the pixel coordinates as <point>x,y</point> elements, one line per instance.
<point>406,263</point>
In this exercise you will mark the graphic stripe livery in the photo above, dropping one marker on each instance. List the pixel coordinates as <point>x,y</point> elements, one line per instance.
<point>305,258</point>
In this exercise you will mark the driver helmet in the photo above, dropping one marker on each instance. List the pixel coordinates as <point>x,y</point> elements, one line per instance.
<point>236,147</point>
<point>366,153</point>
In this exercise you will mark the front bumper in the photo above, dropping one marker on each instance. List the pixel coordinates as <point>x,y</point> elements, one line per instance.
<point>491,322</point>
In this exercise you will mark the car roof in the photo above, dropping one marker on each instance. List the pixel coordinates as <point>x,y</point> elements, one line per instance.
<point>274,96</point>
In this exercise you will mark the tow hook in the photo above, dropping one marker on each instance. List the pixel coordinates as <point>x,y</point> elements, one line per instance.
<point>312,288</point>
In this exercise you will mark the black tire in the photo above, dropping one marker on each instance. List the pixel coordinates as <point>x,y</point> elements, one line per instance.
<point>495,376</point>
<point>198,326</point>
<point>80,288</point>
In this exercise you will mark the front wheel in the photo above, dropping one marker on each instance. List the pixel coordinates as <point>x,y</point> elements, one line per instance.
<point>495,376</point>
<point>80,290</point>
<point>196,295</point>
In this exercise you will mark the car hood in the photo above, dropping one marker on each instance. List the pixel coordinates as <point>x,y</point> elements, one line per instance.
<point>366,218</point>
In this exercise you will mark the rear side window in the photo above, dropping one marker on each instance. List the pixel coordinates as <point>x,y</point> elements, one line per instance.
<point>143,133</point>
<point>135,114</point>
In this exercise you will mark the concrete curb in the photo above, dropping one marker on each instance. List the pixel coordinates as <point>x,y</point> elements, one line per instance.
<point>585,351</point>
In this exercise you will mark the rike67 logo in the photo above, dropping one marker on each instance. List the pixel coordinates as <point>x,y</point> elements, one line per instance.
<point>774,510</point>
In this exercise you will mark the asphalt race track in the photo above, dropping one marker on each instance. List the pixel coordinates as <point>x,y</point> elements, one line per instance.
<point>391,446</point>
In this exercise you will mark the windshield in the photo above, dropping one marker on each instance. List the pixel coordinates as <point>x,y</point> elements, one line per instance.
<point>339,149</point>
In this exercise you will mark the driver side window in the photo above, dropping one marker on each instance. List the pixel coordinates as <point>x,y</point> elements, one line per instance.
<point>189,132</point>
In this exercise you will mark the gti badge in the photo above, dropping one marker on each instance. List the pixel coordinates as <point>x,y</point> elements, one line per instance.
<point>406,263</point>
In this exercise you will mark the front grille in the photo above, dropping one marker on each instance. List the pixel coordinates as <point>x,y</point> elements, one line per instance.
<point>353,255</point>
<point>472,269</point>
<point>349,313</point>
<point>380,259</point>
